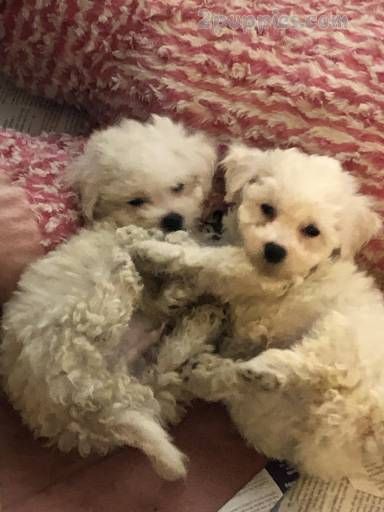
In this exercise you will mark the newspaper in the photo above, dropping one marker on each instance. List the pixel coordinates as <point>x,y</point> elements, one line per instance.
<point>278,488</point>
<point>264,490</point>
<point>313,495</point>
<point>259,495</point>
<point>371,479</point>
<point>26,113</point>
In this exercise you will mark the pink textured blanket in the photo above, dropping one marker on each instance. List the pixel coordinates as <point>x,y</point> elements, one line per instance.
<point>37,211</point>
<point>37,165</point>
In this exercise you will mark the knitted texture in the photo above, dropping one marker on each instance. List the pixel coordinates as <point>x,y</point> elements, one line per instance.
<point>36,165</point>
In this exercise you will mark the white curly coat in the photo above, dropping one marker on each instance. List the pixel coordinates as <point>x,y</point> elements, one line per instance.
<point>69,358</point>
<point>75,331</point>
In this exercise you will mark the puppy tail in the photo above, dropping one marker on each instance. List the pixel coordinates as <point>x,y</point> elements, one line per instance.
<point>145,433</point>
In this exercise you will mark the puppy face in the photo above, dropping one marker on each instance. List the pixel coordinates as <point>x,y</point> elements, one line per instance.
<point>295,211</point>
<point>152,175</point>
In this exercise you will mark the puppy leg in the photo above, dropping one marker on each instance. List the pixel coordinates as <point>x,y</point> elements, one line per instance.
<point>144,432</point>
<point>107,410</point>
<point>327,355</point>
<point>193,334</point>
<point>272,369</point>
<point>178,292</point>
<point>211,377</point>
<point>109,306</point>
<point>175,294</point>
<point>215,270</point>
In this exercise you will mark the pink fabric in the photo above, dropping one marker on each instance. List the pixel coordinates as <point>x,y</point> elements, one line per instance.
<point>317,87</point>
<point>19,236</point>
<point>36,479</point>
<point>36,165</point>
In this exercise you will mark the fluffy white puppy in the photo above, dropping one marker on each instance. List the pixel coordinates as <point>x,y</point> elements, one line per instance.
<point>315,394</point>
<point>79,336</point>
<point>155,174</point>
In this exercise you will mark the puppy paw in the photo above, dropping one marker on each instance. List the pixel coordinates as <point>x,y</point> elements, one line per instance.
<point>261,376</point>
<point>210,377</point>
<point>175,295</point>
<point>211,319</point>
<point>149,252</point>
<point>180,238</point>
<point>202,362</point>
<point>156,234</point>
<point>129,235</point>
<point>173,467</point>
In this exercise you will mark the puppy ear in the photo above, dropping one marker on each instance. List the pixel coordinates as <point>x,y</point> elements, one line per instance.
<point>206,149</point>
<point>241,166</point>
<point>81,177</point>
<point>89,197</point>
<point>358,224</point>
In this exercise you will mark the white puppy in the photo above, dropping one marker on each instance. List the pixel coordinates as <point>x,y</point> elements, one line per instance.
<point>79,336</point>
<point>315,394</point>
<point>152,175</point>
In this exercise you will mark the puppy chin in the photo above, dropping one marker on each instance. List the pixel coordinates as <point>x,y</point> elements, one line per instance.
<point>270,271</point>
<point>265,269</point>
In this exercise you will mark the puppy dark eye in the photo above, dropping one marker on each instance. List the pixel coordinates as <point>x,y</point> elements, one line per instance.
<point>178,188</point>
<point>311,231</point>
<point>268,210</point>
<point>138,201</point>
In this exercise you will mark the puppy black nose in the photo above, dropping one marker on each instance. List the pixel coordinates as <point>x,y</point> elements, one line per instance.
<point>274,253</point>
<point>172,222</point>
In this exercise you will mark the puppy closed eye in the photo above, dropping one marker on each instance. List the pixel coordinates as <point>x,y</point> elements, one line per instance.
<point>311,231</point>
<point>178,188</point>
<point>268,210</point>
<point>138,201</point>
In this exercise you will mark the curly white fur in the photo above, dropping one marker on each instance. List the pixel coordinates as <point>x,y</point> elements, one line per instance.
<point>315,394</point>
<point>80,335</point>
<point>68,357</point>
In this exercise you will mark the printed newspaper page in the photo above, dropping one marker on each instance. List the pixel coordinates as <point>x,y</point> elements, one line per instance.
<point>26,113</point>
<point>264,490</point>
<point>259,495</point>
<point>371,479</point>
<point>313,495</point>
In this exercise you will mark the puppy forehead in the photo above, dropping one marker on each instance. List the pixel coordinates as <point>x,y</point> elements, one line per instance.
<point>148,166</point>
<point>291,176</point>
<point>137,182</point>
<point>148,142</point>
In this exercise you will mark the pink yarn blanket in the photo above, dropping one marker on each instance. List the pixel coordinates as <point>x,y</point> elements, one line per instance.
<point>36,165</point>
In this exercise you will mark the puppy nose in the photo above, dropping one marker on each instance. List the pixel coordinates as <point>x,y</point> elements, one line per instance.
<point>172,222</point>
<point>274,253</point>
